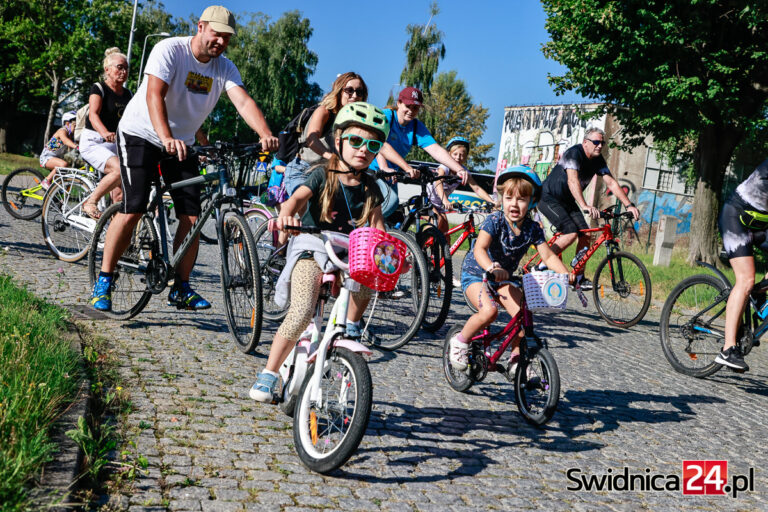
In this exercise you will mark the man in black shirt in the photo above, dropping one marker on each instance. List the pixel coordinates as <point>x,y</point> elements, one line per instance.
<point>562,199</point>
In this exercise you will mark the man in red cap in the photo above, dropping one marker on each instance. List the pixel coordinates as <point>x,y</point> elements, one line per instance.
<point>407,131</point>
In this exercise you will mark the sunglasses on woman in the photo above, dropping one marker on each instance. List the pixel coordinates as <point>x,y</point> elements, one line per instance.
<point>349,91</point>
<point>356,141</point>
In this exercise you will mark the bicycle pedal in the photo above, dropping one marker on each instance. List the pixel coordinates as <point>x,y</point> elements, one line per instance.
<point>276,399</point>
<point>736,370</point>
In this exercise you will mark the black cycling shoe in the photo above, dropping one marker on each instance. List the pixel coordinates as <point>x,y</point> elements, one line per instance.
<point>733,359</point>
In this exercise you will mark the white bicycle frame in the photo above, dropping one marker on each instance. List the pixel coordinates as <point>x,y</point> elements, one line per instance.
<point>293,370</point>
<point>83,222</point>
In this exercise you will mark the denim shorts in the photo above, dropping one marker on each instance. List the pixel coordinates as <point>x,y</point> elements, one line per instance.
<point>468,279</point>
<point>295,175</point>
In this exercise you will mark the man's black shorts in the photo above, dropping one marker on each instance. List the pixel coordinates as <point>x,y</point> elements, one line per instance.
<point>566,217</point>
<point>139,161</point>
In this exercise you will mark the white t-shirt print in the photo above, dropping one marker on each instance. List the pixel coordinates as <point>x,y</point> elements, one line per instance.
<point>194,88</point>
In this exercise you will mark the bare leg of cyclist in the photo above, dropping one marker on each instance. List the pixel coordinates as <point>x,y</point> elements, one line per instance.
<point>110,180</point>
<point>118,239</point>
<point>188,261</point>
<point>744,269</point>
<point>52,164</point>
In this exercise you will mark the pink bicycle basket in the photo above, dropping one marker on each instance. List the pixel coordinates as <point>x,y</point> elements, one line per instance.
<point>375,258</point>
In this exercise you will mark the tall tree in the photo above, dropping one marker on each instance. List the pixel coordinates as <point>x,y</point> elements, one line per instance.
<point>423,53</point>
<point>692,74</point>
<point>276,65</point>
<point>448,112</point>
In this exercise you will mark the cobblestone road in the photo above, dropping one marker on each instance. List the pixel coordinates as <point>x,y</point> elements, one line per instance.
<point>427,447</point>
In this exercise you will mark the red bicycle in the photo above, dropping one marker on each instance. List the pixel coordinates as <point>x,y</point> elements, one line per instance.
<point>622,297</point>
<point>534,374</point>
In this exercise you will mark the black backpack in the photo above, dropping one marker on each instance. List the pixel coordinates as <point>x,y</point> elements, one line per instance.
<point>289,136</point>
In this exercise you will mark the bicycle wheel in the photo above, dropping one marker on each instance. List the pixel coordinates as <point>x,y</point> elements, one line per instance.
<point>398,314</point>
<point>435,248</point>
<point>327,433</point>
<point>129,291</point>
<point>623,295</point>
<point>22,193</point>
<point>692,325</point>
<point>240,282</point>
<point>537,386</point>
<point>208,233</point>
<point>67,229</point>
<point>457,379</point>
<point>255,219</point>
<point>271,264</point>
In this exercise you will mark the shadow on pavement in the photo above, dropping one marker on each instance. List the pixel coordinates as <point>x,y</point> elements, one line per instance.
<point>423,433</point>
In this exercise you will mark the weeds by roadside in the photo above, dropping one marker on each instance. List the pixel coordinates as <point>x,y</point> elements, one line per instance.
<point>40,375</point>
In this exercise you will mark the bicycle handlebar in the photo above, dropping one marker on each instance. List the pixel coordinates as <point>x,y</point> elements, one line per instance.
<point>425,176</point>
<point>485,208</point>
<point>220,147</point>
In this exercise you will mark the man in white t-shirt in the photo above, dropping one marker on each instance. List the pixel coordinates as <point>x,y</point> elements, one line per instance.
<point>184,78</point>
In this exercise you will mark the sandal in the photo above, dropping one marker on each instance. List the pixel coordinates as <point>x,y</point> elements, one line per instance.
<point>92,210</point>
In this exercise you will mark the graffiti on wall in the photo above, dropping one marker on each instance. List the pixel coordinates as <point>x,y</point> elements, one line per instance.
<point>536,136</point>
<point>666,204</point>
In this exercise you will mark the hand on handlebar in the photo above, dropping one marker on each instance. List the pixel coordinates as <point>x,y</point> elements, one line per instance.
<point>464,175</point>
<point>283,223</point>
<point>175,147</point>
<point>412,173</point>
<point>592,211</point>
<point>269,143</point>
<point>634,211</point>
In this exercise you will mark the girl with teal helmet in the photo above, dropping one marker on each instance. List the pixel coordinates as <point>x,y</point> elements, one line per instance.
<point>339,195</point>
<point>503,239</point>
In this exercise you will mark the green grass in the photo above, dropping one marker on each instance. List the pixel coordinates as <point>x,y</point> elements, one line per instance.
<point>10,162</point>
<point>39,375</point>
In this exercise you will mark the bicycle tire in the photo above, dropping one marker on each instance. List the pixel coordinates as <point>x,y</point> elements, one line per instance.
<point>240,282</point>
<point>632,294</point>
<point>398,314</point>
<point>129,292</point>
<point>255,219</point>
<point>457,379</point>
<point>67,230</point>
<point>692,352</point>
<point>435,248</point>
<point>208,233</point>
<point>23,207</point>
<point>271,265</point>
<point>346,375</point>
<point>537,386</point>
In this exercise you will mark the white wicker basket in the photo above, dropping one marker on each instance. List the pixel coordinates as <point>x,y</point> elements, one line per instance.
<point>546,291</point>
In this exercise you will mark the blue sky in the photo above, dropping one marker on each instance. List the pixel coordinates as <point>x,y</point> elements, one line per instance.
<point>494,45</point>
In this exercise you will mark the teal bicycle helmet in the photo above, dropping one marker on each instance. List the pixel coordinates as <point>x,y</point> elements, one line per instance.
<point>458,140</point>
<point>365,115</point>
<point>526,173</point>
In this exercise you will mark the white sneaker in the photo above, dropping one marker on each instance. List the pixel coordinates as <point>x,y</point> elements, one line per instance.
<point>458,355</point>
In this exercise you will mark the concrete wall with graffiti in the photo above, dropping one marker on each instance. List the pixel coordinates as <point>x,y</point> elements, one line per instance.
<point>537,135</point>
<point>665,204</point>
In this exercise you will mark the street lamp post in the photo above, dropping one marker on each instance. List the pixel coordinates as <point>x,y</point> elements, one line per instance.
<point>141,65</point>
<point>133,29</point>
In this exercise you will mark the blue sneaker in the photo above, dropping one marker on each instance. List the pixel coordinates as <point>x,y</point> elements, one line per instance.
<point>263,389</point>
<point>369,336</point>
<point>184,297</point>
<point>101,300</point>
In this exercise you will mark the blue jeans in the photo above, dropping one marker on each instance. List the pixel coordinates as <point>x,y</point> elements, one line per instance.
<point>295,175</point>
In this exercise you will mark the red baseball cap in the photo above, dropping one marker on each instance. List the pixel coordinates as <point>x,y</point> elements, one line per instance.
<point>411,96</point>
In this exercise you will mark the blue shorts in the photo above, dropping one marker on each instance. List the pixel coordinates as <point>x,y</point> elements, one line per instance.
<point>468,279</point>
<point>295,175</point>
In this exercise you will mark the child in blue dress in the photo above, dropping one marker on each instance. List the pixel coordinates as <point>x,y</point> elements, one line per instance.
<point>503,240</point>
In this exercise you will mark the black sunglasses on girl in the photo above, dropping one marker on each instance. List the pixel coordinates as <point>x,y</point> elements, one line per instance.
<point>349,91</point>
<point>373,145</point>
